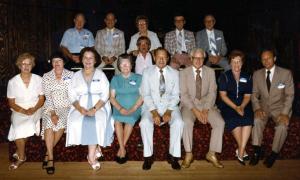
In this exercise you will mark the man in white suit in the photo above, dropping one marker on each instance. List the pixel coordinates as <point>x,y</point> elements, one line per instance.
<point>160,91</point>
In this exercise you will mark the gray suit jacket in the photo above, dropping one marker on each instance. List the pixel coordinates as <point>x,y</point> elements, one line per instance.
<point>280,98</point>
<point>202,41</point>
<point>188,88</point>
<point>150,89</point>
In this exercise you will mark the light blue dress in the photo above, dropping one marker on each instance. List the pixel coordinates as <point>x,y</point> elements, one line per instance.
<point>127,93</point>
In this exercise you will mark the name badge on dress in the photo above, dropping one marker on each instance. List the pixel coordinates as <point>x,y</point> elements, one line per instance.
<point>243,80</point>
<point>66,78</point>
<point>281,86</point>
<point>132,82</point>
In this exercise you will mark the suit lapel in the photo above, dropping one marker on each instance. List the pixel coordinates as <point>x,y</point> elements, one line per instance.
<point>263,81</point>
<point>275,79</point>
<point>218,43</point>
<point>191,80</point>
<point>206,40</point>
<point>204,80</point>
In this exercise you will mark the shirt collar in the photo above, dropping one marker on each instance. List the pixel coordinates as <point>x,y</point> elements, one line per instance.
<point>177,31</point>
<point>110,30</point>
<point>164,69</point>
<point>209,31</point>
<point>271,70</point>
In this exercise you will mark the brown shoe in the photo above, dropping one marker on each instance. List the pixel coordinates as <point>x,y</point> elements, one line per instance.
<point>188,159</point>
<point>210,157</point>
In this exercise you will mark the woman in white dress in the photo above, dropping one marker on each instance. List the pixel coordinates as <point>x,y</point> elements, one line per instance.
<point>90,121</point>
<point>57,105</point>
<point>25,99</point>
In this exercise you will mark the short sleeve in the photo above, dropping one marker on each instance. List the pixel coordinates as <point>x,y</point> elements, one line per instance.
<point>64,40</point>
<point>10,90</point>
<point>223,82</point>
<point>91,40</point>
<point>113,83</point>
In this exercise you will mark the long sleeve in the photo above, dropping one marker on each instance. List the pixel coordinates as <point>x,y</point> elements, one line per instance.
<point>186,99</point>
<point>255,92</point>
<point>289,94</point>
<point>174,95</point>
<point>146,92</point>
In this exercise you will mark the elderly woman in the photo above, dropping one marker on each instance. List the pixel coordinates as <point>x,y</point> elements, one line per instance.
<point>56,108</point>
<point>235,88</point>
<point>126,101</point>
<point>25,98</point>
<point>89,121</point>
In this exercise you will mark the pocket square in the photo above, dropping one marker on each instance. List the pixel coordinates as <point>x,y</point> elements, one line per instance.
<point>218,38</point>
<point>281,86</point>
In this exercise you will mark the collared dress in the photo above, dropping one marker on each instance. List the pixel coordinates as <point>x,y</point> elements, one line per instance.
<point>127,93</point>
<point>235,92</point>
<point>56,92</point>
<point>22,125</point>
<point>89,130</point>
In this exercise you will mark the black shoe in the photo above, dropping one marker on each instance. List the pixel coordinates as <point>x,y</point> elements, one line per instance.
<point>118,159</point>
<point>255,158</point>
<point>45,162</point>
<point>270,160</point>
<point>148,161</point>
<point>174,162</point>
<point>50,169</point>
<point>123,159</point>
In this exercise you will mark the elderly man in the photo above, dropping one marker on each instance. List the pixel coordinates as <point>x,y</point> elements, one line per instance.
<point>179,43</point>
<point>75,39</point>
<point>144,57</point>
<point>273,94</point>
<point>110,42</point>
<point>142,25</point>
<point>212,41</point>
<point>160,91</point>
<point>198,91</point>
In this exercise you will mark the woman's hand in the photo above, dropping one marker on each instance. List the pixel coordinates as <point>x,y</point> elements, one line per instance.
<point>124,112</point>
<point>82,111</point>
<point>54,118</point>
<point>240,110</point>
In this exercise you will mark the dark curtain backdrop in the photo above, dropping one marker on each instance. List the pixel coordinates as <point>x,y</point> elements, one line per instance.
<point>37,26</point>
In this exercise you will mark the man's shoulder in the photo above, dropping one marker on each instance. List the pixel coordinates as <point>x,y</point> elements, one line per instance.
<point>201,32</point>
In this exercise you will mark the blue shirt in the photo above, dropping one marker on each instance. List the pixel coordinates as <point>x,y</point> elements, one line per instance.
<point>75,40</point>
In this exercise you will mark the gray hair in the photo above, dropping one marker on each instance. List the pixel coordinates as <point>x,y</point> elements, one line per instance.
<point>122,58</point>
<point>195,50</point>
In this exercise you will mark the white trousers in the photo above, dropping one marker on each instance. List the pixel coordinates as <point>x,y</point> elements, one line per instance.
<point>176,128</point>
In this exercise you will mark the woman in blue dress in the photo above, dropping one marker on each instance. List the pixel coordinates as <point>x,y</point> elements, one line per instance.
<point>126,101</point>
<point>235,89</point>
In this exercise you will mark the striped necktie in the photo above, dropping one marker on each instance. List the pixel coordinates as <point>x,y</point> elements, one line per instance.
<point>213,45</point>
<point>179,42</point>
<point>162,83</point>
<point>198,84</point>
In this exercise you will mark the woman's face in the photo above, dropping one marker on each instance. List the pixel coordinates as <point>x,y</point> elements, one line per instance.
<point>26,66</point>
<point>125,66</point>
<point>88,60</point>
<point>57,64</point>
<point>236,64</point>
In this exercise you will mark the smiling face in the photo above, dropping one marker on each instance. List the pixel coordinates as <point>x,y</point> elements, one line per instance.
<point>161,58</point>
<point>198,59</point>
<point>79,21</point>
<point>209,22</point>
<point>142,25</point>
<point>268,59</point>
<point>125,66</point>
<point>179,22</point>
<point>57,64</point>
<point>26,66</point>
<point>236,64</point>
<point>110,21</point>
<point>143,46</point>
<point>88,60</point>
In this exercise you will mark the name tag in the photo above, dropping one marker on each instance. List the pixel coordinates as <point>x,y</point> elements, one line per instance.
<point>243,80</point>
<point>66,78</point>
<point>86,36</point>
<point>132,82</point>
<point>116,35</point>
<point>281,86</point>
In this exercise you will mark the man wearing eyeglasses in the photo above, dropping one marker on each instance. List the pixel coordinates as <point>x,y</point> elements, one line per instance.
<point>198,91</point>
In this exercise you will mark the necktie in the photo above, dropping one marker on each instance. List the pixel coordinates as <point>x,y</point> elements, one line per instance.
<point>213,46</point>
<point>268,80</point>
<point>110,37</point>
<point>162,85</point>
<point>179,42</point>
<point>198,84</point>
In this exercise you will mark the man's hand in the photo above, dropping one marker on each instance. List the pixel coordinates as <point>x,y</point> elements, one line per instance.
<point>283,119</point>
<point>260,114</point>
<point>167,116</point>
<point>75,58</point>
<point>214,59</point>
<point>156,117</point>
<point>200,115</point>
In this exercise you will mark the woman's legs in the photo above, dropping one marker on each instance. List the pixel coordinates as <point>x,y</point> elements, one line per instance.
<point>20,143</point>
<point>127,132</point>
<point>241,135</point>
<point>237,134</point>
<point>119,133</point>
<point>51,139</point>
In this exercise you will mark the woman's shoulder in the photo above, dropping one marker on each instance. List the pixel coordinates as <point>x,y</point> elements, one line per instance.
<point>14,79</point>
<point>36,77</point>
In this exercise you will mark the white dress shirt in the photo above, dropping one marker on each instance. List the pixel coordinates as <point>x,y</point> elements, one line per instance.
<point>142,63</point>
<point>272,70</point>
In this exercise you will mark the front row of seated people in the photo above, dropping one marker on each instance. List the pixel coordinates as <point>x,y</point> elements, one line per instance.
<point>80,104</point>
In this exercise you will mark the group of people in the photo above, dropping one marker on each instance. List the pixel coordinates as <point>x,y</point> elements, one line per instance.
<point>89,108</point>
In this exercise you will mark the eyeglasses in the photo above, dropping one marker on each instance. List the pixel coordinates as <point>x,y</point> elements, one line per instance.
<point>197,58</point>
<point>142,23</point>
<point>26,64</point>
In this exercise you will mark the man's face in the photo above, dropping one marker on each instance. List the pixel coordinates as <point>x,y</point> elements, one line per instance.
<point>110,21</point>
<point>268,59</point>
<point>209,22</point>
<point>161,59</point>
<point>79,22</point>
<point>143,46</point>
<point>179,22</point>
<point>198,59</point>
